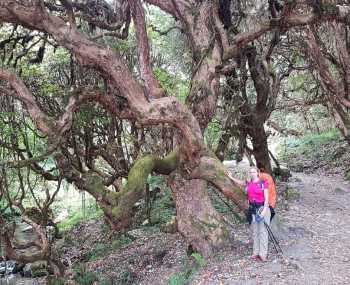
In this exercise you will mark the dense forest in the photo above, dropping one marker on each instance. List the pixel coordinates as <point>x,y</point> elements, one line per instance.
<point>126,115</point>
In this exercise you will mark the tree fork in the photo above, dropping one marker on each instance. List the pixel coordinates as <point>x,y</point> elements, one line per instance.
<point>117,206</point>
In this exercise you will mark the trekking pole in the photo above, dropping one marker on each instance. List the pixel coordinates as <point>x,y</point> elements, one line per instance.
<point>273,241</point>
<point>273,238</point>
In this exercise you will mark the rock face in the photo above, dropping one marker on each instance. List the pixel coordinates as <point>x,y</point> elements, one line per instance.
<point>36,269</point>
<point>10,267</point>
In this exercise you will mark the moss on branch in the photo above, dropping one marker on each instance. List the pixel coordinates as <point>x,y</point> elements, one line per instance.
<point>118,205</point>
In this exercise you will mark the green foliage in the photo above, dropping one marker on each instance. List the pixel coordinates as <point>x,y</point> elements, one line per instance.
<point>99,250</point>
<point>166,80</point>
<point>77,217</point>
<point>121,240</point>
<point>179,278</point>
<point>84,277</point>
<point>55,281</point>
<point>155,181</point>
<point>127,277</point>
<point>102,249</point>
<point>308,143</point>
<point>184,277</point>
<point>172,84</point>
<point>163,208</point>
<point>212,133</point>
<point>327,150</point>
<point>162,204</point>
<point>200,260</point>
<point>170,48</point>
<point>8,213</point>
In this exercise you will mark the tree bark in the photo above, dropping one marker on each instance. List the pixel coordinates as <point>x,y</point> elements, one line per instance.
<point>342,120</point>
<point>266,89</point>
<point>337,91</point>
<point>260,148</point>
<point>196,218</point>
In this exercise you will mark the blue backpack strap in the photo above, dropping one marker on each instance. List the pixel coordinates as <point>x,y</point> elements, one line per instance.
<point>262,184</point>
<point>246,186</point>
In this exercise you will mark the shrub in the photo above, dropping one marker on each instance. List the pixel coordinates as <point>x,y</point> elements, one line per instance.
<point>184,277</point>
<point>84,277</point>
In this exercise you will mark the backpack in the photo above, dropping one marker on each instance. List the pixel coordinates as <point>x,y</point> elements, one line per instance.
<point>272,188</point>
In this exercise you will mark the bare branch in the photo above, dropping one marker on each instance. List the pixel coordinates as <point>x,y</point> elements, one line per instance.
<point>152,85</point>
<point>165,5</point>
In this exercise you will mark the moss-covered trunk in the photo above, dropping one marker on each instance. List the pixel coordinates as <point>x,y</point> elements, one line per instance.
<point>118,206</point>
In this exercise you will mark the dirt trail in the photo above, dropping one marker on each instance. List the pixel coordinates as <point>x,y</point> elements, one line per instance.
<point>317,246</point>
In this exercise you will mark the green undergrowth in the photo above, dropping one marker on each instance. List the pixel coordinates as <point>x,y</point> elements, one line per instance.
<point>327,149</point>
<point>101,249</point>
<point>308,143</point>
<point>83,276</point>
<point>191,266</point>
<point>162,206</point>
<point>76,217</point>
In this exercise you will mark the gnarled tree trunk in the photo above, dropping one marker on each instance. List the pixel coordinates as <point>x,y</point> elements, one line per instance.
<point>260,147</point>
<point>197,220</point>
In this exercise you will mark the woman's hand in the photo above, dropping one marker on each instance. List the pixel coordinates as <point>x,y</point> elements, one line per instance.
<point>228,173</point>
<point>238,182</point>
<point>263,212</point>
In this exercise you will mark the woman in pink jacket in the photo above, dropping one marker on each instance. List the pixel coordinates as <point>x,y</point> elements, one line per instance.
<point>259,211</point>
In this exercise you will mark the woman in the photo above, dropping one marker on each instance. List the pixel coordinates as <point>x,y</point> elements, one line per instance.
<point>259,211</point>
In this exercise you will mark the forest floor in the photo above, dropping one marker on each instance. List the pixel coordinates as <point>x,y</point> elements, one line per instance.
<point>314,214</point>
<point>316,245</point>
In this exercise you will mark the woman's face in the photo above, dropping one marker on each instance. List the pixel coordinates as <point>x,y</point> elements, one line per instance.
<point>253,173</point>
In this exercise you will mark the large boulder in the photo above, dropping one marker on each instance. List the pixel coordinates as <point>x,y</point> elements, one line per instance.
<point>36,269</point>
<point>9,267</point>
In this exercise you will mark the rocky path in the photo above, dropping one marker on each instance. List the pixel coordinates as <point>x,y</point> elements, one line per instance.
<point>316,248</point>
